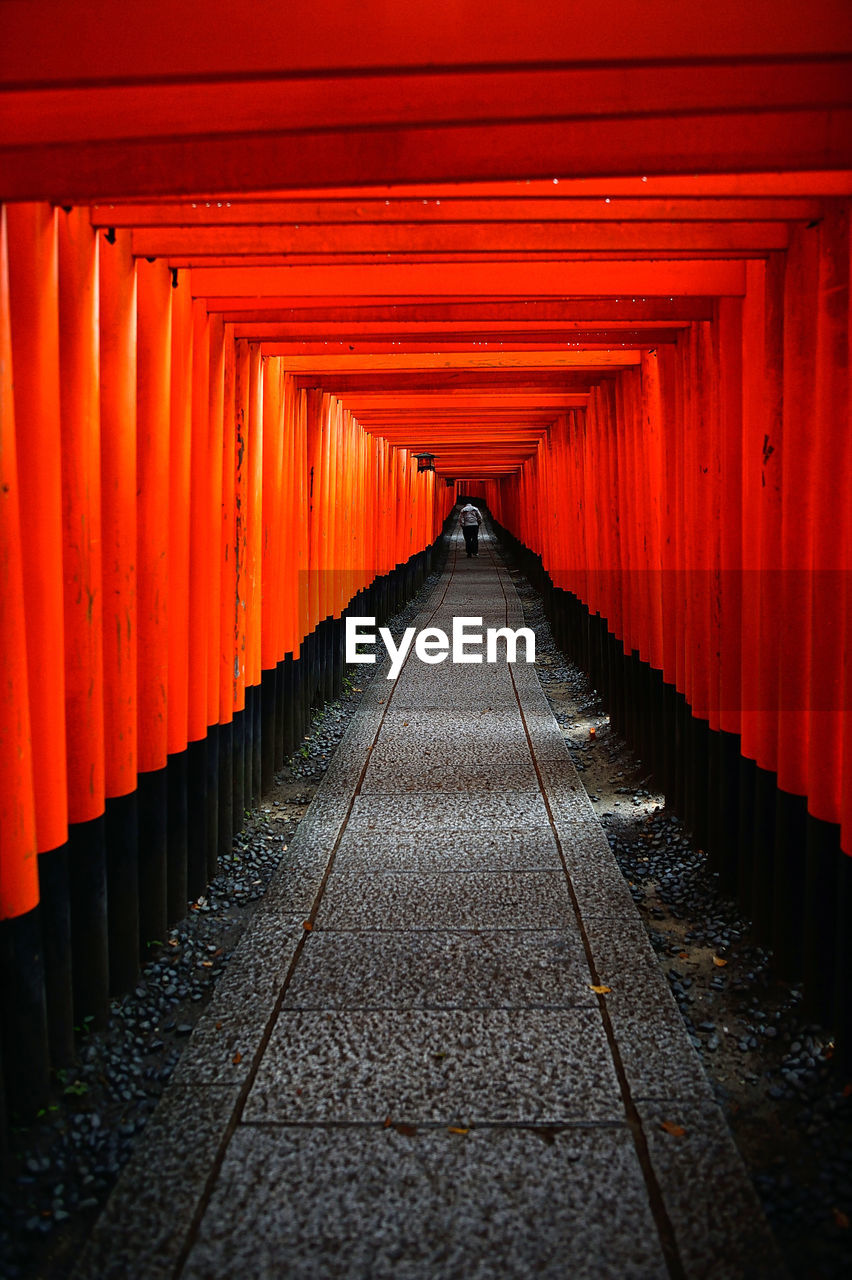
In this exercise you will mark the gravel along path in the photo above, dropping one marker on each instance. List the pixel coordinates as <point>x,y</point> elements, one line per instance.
<point>788,1106</point>
<point>65,1164</point>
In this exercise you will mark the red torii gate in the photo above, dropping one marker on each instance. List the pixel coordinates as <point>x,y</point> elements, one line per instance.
<point>596,260</point>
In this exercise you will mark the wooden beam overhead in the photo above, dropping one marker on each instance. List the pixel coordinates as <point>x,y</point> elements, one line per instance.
<point>411,361</point>
<point>449,207</point>
<point>659,277</point>
<point>722,142</point>
<point>504,237</point>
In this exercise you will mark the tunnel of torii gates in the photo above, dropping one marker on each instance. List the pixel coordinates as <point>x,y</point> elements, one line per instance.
<point>250,267</point>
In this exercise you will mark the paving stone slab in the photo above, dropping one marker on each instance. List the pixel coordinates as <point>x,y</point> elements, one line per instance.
<point>378,1205</point>
<point>446,900</point>
<point>425,813</point>
<point>659,1061</point>
<point>142,1230</point>
<point>440,970</point>
<point>294,888</point>
<point>622,948</point>
<point>533,1066</point>
<point>465,772</point>
<point>466,697</point>
<point>448,850</point>
<point>223,1045</point>
<point>719,1226</point>
<point>440,730</point>
<point>462,692</point>
<point>598,884</point>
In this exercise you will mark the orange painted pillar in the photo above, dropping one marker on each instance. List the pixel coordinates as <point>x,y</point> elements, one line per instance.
<point>202,473</point>
<point>270,566</point>
<point>117,309</point>
<point>180,437</point>
<point>81,517</point>
<point>34,321</point>
<point>34,314</point>
<point>18,863</point>
<point>242,723</point>
<point>153,411</point>
<point>218,761</point>
<point>23,1022</point>
<point>229,819</point>
<point>202,783</point>
<point>273,455</point>
<point>832,459</point>
<point>254,537</point>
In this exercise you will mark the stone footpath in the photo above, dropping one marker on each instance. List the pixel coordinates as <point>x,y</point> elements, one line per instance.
<point>444,1048</point>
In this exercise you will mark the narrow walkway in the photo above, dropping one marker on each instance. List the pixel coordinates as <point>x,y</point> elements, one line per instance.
<point>470,1065</point>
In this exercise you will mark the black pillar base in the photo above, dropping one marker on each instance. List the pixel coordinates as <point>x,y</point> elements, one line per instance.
<point>55,911</point>
<point>212,800</point>
<point>153,809</point>
<point>268,725</point>
<point>122,861</point>
<point>23,1015</point>
<point>238,781</point>
<point>788,889</point>
<point>178,820</point>
<point>225,823</point>
<point>196,803</point>
<point>89,933</point>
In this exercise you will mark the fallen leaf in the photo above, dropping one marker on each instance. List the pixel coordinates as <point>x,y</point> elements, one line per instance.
<point>847,1090</point>
<point>674,1129</point>
<point>841,1218</point>
<point>453,1129</point>
<point>683,955</point>
<point>600,991</point>
<point>237,1058</point>
<point>307,926</point>
<point>387,1122</point>
<point>407,1130</point>
<point>719,962</point>
<point>218,1026</point>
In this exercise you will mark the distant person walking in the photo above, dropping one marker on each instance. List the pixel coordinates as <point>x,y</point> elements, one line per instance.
<point>470,518</point>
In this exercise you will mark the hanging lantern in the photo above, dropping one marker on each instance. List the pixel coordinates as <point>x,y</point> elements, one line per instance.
<point>451,484</point>
<point>425,461</point>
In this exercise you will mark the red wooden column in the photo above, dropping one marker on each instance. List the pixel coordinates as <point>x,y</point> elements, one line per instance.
<point>117,302</point>
<point>153,408</point>
<point>724,796</point>
<point>81,517</point>
<point>242,721</point>
<point>34,318</point>
<point>254,543</point>
<point>18,863</point>
<point>202,782</point>
<point>225,648</point>
<point>34,312</point>
<point>212,570</point>
<point>180,440</point>
<point>23,1026</point>
<point>829,775</point>
<point>270,568</point>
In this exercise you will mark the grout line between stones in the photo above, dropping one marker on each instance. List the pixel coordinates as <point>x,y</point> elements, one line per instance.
<point>665,1229</point>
